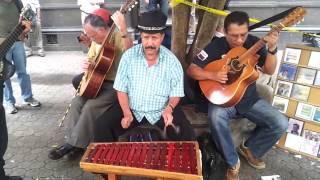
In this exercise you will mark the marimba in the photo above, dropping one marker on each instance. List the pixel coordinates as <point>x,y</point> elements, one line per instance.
<point>165,160</point>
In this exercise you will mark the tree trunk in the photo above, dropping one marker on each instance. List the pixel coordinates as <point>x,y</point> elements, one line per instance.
<point>180,27</point>
<point>206,29</point>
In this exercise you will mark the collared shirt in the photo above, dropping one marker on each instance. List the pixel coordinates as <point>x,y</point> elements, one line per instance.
<point>218,47</point>
<point>149,87</point>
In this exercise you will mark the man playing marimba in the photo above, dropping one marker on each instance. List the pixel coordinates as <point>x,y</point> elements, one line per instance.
<point>149,82</point>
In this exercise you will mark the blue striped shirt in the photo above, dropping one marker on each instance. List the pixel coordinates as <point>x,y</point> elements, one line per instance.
<point>149,88</point>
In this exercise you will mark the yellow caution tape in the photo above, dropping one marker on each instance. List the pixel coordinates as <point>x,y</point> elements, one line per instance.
<point>173,3</point>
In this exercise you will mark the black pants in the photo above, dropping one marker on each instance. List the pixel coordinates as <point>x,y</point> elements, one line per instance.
<point>76,80</point>
<point>112,128</point>
<point>3,133</point>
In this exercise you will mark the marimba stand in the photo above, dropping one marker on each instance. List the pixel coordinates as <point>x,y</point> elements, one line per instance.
<point>160,160</point>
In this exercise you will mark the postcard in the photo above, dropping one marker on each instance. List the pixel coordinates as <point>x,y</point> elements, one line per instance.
<point>295,126</point>
<point>293,142</point>
<point>287,71</point>
<point>300,92</point>
<point>314,60</point>
<point>310,143</point>
<point>304,111</point>
<point>280,103</point>
<point>292,55</point>
<point>317,79</point>
<point>306,76</point>
<point>283,88</point>
<point>316,114</point>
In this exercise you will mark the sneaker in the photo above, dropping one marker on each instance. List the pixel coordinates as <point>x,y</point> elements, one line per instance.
<point>11,108</point>
<point>233,172</point>
<point>41,53</point>
<point>32,102</point>
<point>253,161</point>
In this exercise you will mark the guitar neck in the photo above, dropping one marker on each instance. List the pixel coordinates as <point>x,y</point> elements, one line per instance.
<point>10,39</point>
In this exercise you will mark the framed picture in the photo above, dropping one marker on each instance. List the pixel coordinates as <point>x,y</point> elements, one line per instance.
<point>295,126</point>
<point>280,103</point>
<point>310,143</point>
<point>293,141</point>
<point>300,92</point>
<point>287,71</point>
<point>314,59</point>
<point>317,79</point>
<point>306,76</point>
<point>316,114</point>
<point>304,111</point>
<point>283,88</point>
<point>292,55</point>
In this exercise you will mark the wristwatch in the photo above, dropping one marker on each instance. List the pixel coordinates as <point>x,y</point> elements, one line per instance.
<point>274,51</point>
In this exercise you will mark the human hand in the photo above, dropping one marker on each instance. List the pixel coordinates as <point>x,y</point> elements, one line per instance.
<point>85,65</point>
<point>271,40</point>
<point>27,26</point>
<point>126,120</point>
<point>167,116</point>
<point>119,20</point>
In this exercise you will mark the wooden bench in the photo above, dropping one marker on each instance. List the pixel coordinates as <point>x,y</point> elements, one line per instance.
<point>160,160</point>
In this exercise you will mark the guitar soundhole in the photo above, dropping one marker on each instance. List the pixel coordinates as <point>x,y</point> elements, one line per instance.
<point>235,70</point>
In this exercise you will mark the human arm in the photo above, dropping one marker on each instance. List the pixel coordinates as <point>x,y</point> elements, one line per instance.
<point>168,110</point>
<point>271,59</point>
<point>119,20</point>
<point>124,104</point>
<point>198,73</point>
<point>27,27</point>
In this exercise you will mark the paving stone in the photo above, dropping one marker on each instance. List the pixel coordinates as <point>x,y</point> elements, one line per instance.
<point>33,131</point>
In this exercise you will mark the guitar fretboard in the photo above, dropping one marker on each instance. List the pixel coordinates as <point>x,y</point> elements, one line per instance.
<point>10,39</point>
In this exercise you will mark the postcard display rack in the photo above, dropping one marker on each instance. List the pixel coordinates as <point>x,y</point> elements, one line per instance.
<point>297,95</point>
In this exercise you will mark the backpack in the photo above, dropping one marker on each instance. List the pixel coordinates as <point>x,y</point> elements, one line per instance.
<point>213,164</point>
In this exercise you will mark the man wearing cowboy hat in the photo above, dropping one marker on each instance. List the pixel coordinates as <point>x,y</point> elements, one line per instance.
<point>149,82</point>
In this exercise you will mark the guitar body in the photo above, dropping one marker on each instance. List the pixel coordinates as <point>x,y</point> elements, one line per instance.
<point>230,93</point>
<point>7,69</point>
<point>95,76</point>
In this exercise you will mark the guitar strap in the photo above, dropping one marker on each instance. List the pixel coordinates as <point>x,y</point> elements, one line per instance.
<point>271,19</point>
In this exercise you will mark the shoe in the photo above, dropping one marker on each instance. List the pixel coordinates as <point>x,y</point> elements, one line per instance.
<point>12,178</point>
<point>41,53</point>
<point>11,108</point>
<point>32,102</point>
<point>254,162</point>
<point>59,152</point>
<point>233,172</point>
<point>75,153</point>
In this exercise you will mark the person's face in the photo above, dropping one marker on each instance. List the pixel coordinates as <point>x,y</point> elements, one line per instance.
<point>151,43</point>
<point>96,34</point>
<point>295,127</point>
<point>236,34</point>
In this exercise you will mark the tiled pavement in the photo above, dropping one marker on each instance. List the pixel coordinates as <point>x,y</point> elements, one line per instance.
<point>32,132</point>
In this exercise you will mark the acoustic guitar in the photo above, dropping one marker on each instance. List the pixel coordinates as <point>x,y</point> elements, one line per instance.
<point>241,65</point>
<point>7,68</point>
<point>96,73</point>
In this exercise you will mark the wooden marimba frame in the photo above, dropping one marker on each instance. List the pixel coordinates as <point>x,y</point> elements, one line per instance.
<point>161,160</point>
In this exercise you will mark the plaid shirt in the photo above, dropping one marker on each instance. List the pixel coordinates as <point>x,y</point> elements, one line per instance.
<point>149,88</point>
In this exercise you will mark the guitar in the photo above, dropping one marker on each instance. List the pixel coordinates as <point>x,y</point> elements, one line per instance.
<point>7,69</point>
<point>241,64</point>
<point>96,73</point>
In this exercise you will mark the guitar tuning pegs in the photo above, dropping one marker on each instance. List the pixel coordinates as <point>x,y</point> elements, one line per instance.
<point>129,9</point>
<point>132,6</point>
<point>136,2</point>
<point>302,19</point>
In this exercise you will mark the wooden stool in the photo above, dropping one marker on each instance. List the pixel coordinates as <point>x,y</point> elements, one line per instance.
<point>160,160</point>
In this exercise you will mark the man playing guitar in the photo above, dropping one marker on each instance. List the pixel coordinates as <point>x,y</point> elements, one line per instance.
<point>271,124</point>
<point>84,111</point>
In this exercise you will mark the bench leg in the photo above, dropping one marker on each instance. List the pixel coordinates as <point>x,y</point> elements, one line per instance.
<point>113,177</point>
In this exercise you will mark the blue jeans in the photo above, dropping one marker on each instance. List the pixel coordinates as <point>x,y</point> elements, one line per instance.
<point>17,55</point>
<point>164,6</point>
<point>270,125</point>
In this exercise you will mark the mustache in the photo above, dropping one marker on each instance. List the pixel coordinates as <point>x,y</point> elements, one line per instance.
<point>150,47</point>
